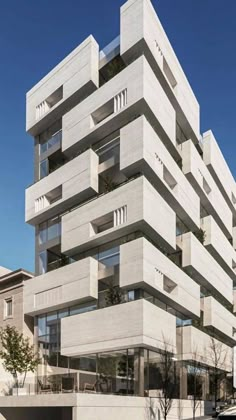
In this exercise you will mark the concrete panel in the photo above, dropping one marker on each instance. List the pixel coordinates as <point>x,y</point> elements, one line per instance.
<point>78,180</point>
<point>143,265</point>
<point>76,76</point>
<point>219,246</point>
<point>142,32</point>
<point>80,128</point>
<point>197,345</point>
<point>126,325</point>
<point>219,169</point>
<point>73,283</point>
<point>218,317</point>
<point>141,150</point>
<point>203,183</point>
<point>80,228</point>
<point>199,263</point>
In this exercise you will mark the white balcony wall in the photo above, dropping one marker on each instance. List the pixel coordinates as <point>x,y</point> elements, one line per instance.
<point>203,183</point>
<point>76,76</point>
<point>80,125</point>
<point>141,31</point>
<point>219,246</point>
<point>200,264</point>
<point>143,265</point>
<point>141,150</point>
<point>219,169</point>
<point>74,283</point>
<point>218,317</point>
<point>78,179</point>
<point>234,237</point>
<point>197,345</point>
<point>234,301</point>
<point>80,228</point>
<point>132,324</point>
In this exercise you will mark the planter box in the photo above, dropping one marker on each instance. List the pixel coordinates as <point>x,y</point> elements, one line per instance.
<point>20,391</point>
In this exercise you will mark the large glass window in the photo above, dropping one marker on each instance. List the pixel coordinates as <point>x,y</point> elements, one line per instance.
<point>49,230</point>
<point>109,257</point>
<point>43,168</point>
<point>43,262</point>
<point>52,141</point>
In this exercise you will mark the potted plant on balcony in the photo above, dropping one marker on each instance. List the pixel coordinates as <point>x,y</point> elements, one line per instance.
<point>18,357</point>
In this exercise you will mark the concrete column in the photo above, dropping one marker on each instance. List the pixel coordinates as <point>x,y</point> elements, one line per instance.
<point>75,415</point>
<point>139,372</point>
<point>183,381</point>
<point>205,386</point>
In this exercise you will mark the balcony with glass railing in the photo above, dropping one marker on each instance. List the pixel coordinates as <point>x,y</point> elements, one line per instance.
<point>51,143</point>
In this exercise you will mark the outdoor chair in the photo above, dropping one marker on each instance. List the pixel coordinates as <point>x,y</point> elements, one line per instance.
<point>67,384</point>
<point>44,387</point>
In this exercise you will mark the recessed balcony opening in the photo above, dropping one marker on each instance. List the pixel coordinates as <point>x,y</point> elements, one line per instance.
<point>112,106</point>
<point>233,199</point>
<point>110,220</point>
<point>55,97</point>
<point>49,102</point>
<point>206,186</point>
<point>169,179</point>
<point>54,195</point>
<point>169,74</point>
<point>103,112</point>
<point>103,223</point>
<point>46,200</point>
<point>168,285</point>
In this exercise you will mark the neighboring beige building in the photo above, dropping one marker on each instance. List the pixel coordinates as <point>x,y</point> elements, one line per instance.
<point>12,288</point>
<point>135,218</point>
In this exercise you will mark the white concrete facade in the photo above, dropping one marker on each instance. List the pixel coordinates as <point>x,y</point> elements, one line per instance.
<point>135,222</point>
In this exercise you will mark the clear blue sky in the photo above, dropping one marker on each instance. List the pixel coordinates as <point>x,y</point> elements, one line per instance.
<point>35,36</point>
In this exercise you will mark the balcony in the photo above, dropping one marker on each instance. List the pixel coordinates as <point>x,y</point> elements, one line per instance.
<point>200,178</point>
<point>77,180</point>
<point>142,33</point>
<point>133,324</point>
<point>197,345</point>
<point>219,170</point>
<point>128,94</point>
<point>73,79</point>
<point>219,246</point>
<point>219,318</point>
<point>71,284</point>
<point>132,207</point>
<point>144,266</point>
<point>203,268</point>
<point>141,150</point>
<point>51,144</point>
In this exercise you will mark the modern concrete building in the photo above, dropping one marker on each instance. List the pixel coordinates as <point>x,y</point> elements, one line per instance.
<point>135,230</point>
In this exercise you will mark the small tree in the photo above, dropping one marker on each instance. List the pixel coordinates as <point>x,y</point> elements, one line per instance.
<point>114,295</point>
<point>167,380</point>
<point>200,235</point>
<point>195,376</point>
<point>17,353</point>
<point>217,355</point>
